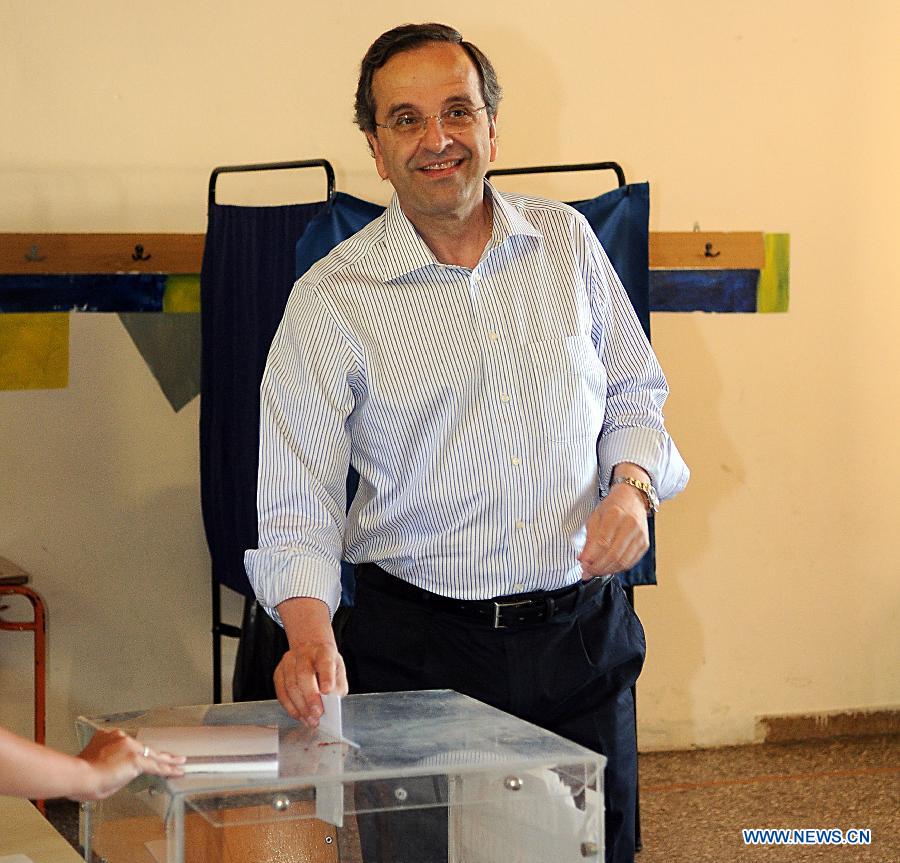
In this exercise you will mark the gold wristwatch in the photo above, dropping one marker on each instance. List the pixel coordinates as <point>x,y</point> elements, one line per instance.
<point>644,487</point>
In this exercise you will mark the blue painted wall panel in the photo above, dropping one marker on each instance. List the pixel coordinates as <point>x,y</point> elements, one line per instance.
<point>119,292</point>
<point>703,290</point>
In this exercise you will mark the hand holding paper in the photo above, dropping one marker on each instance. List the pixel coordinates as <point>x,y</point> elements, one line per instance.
<point>218,748</point>
<point>312,666</point>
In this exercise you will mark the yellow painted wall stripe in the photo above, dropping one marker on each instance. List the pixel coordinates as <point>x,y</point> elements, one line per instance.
<point>773,291</point>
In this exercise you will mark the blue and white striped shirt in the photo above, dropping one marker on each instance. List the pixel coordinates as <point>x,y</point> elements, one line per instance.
<point>484,410</point>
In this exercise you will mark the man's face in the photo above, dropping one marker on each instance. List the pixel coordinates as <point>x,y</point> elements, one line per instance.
<point>435,174</point>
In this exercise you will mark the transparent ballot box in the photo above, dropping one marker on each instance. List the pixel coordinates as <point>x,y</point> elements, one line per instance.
<point>419,777</point>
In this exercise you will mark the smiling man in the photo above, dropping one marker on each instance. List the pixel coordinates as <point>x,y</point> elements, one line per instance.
<point>436,161</point>
<point>474,357</point>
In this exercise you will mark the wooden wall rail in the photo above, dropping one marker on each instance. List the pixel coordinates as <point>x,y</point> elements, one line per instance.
<point>707,250</point>
<point>73,254</point>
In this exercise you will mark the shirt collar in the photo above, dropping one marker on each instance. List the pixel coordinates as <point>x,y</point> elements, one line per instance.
<point>406,251</point>
<point>508,220</point>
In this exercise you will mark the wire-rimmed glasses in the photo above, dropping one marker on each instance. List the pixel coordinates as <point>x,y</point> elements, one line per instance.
<point>413,124</point>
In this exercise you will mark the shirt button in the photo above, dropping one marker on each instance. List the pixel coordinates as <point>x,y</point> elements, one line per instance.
<point>518,588</point>
<point>494,336</point>
<point>476,277</point>
<point>516,460</point>
<point>520,524</point>
<point>504,397</point>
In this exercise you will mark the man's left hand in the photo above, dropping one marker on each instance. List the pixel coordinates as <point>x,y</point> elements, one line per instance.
<point>617,533</point>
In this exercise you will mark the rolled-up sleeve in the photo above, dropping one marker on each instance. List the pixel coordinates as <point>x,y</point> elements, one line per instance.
<point>304,454</point>
<point>633,428</point>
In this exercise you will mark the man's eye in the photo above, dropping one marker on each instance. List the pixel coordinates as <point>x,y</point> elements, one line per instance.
<point>407,120</point>
<point>457,113</point>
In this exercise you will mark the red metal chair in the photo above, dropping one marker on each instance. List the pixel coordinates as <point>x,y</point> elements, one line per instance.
<point>12,583</point>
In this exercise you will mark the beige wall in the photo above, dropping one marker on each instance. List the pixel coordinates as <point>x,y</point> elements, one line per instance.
<point>778,566</point>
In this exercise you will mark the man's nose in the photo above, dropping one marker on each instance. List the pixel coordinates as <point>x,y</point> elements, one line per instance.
<point>434,137</point>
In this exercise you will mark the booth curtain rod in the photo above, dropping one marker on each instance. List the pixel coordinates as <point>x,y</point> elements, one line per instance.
<point>329,171</point>
<point>558,169</point>
<point>272,166</point>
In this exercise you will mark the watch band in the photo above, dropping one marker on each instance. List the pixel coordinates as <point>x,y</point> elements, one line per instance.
<point>644,487</point>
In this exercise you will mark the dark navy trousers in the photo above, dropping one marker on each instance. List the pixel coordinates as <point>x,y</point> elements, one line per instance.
<point>571,674</point>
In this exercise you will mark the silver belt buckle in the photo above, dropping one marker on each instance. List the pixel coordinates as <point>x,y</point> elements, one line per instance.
<point>499,605</point>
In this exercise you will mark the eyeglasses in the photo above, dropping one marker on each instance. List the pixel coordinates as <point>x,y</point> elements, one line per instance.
<point>411,124</point>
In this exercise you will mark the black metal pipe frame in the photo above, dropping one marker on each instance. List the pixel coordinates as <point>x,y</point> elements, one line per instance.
<point>272,166</point>
<point>219,630</point>
<point>560,169</point>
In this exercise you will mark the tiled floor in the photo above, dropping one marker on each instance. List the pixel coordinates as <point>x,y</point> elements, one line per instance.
<point>695,804</point>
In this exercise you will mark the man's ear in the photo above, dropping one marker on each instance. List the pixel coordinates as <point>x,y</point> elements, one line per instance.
<point>375,148</point>
<point>492,133</point>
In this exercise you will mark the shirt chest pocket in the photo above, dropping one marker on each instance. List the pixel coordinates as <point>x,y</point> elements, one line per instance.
<point>567,381</point>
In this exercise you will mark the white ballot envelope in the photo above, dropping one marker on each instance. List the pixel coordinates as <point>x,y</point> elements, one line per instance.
<point>217,748</point>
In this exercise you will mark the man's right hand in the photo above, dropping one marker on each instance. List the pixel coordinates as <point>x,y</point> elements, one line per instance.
<point>312,666</point>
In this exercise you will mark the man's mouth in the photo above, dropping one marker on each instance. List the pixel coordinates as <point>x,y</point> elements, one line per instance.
<point>441,166</point>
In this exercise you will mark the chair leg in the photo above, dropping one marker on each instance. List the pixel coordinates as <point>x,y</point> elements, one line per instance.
<point>14,585</point>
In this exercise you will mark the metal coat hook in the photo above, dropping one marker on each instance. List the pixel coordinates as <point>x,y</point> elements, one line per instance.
<point>709,253</point>
<point>139,255</point>
<point>33,255</point>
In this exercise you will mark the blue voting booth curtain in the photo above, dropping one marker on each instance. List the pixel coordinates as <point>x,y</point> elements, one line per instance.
<point>251,259</point>
<point>337,221</point>
<point>247,274</point>
<point>620,219</point>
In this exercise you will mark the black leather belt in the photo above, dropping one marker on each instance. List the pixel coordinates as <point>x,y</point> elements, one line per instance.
<point>501,612</point>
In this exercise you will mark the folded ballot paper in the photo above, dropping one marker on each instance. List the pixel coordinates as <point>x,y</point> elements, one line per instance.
<point>218,748</point>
